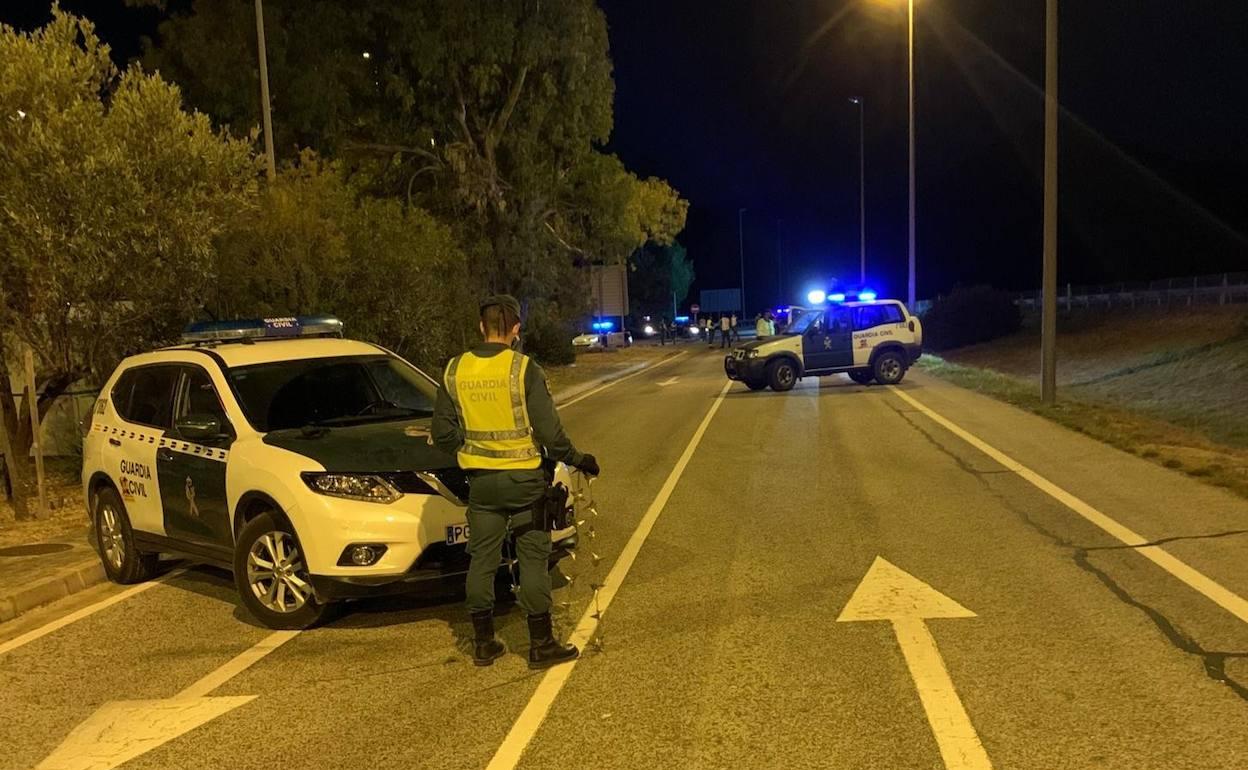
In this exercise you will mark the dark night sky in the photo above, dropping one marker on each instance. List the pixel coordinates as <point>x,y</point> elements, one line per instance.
<point>742,103</point>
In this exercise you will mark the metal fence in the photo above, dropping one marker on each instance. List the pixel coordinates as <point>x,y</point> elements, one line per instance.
<point>1216,289</point>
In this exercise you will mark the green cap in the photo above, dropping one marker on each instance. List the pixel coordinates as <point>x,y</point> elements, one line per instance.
<point>505,300</point>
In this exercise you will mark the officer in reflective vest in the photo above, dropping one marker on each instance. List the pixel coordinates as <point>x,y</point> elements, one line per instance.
<point>495,413</point>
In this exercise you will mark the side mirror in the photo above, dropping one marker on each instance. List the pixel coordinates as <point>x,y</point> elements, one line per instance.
<point>200,427</point>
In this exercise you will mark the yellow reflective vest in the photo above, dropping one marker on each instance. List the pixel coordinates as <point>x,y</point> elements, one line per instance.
<point>488,393</point>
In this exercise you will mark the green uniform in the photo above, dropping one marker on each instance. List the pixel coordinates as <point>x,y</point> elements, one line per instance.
<point>498,499</point>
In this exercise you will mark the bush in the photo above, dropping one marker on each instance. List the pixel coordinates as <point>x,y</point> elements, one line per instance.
<point>548,336</point>
<point>970,315</point>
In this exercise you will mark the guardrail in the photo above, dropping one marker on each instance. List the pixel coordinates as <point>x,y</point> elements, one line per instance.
<point>1218,289</point>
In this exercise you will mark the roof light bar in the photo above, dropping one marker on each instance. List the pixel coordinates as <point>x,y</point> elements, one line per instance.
<point>263,328</point>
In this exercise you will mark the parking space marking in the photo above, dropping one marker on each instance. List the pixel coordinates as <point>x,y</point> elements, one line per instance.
<point>89,610</point>
<point>1194,578</point>
<point>527,724</point>
<point>605,385</point>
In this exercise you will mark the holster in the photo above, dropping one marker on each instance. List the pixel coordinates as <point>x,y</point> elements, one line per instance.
<point>551,512</point>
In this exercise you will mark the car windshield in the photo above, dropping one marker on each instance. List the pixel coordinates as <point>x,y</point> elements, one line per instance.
<point>331,391</point>
<point>804,321</point>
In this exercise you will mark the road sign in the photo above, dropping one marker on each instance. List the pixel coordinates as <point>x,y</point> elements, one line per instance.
<point>892,594</point>
<point>693,309</point>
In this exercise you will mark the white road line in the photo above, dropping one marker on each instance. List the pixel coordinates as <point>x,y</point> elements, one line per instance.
<point>527,724</point>
<point>90,609</point>
<point>238,664</point>
<point>1211,589</point>
<point>605,385</point>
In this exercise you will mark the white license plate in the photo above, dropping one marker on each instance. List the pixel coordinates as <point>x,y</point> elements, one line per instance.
<point>456,534</point>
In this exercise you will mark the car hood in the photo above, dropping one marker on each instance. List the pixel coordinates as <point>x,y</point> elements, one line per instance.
<point>755,344</point>
<point>395,446</point>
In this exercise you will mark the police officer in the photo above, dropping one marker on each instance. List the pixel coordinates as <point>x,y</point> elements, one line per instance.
<point>495,413</point>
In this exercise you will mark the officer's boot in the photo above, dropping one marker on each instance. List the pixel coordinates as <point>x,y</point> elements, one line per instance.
<point>485,648</point>
<point>544,651</point>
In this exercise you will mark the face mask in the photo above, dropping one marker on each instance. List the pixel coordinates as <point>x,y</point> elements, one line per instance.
<point>515,342</point>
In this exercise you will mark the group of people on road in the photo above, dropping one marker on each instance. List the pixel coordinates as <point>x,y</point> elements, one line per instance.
<point>726,325</point>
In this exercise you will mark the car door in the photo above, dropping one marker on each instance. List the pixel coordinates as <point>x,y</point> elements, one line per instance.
<point>142,401</point>
<point>190,462</point>
<point>874,324</point>
<point>827,343</point>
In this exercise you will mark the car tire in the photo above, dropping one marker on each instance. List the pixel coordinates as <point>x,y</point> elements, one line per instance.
<point>123,561</point>
<point>755,384</point>
<point>861,376</point>
<point>781,375</point>
<point>271,575</point>
<point>889,367</point>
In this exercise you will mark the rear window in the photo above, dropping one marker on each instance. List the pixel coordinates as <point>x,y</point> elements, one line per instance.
<point>868,316</point>
<point>144,395</point>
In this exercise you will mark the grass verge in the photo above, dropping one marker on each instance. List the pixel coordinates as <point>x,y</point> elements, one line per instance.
<point>604,363</point>
<point>1162,442</point>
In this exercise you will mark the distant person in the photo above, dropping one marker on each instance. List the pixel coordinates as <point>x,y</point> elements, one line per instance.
<point>663,331</point>
<point>710,330</point>
<point>725,331</point>
<point>762,328</point>
<point>736,335</point>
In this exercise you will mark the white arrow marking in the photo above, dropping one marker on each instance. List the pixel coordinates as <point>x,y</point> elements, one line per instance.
<point>889,593</point>
<point>669,381</point>
<point>119,731</point>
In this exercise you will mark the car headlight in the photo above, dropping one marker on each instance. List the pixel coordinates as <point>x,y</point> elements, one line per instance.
<point>649,329</point>
<point>751,354</point>
<point>353,486</point>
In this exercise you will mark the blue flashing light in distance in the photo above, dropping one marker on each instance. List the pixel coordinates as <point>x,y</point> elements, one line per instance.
<point>816,296</point>
<point>682,319</point>
<point>866,295</point>
<point>603,326</point>
<point>837,297</point>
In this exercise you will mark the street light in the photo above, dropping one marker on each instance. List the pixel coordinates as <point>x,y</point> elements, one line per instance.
<point>862,189</point>
<point>910,90</point>
<point>741,248</point>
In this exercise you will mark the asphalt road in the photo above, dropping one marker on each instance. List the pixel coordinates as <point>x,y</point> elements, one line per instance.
<point>721,646</point>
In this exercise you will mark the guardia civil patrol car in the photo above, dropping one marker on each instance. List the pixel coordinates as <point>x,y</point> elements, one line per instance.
<point>275,448</point>
<point>868,339</point>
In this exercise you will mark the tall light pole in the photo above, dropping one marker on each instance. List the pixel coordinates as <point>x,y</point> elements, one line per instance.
<point>270,163</point>
<point>1048,313</point>
<point>741,248</point>
<point>862,190</point>
<point>910,67</point>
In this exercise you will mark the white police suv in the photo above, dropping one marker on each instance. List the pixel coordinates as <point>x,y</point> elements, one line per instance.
<point>866,338</point>
<point>297,459</point>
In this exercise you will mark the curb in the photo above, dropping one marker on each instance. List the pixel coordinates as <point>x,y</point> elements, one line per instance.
<point>569,393</point>
<point>69,580</point>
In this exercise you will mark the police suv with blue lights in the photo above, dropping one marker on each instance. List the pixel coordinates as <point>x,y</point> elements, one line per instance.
<point>866,338</point>
<point>275,448</point>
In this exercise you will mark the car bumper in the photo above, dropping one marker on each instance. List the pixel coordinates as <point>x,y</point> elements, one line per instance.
<point>742,369</point>
<point>439,566</point>
<point>913,352</point>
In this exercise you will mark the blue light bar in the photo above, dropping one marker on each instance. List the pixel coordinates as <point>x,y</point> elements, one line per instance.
<point>816,296</point>
<point>866,296</point>
<point>603,326</point>
<point>837,297</point>
<point>682,319</point>
<point>263,328</point>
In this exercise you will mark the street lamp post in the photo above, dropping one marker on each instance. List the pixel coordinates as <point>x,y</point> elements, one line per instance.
<point>1048,313</point>
<point>270,163</point>
<point>862,191</point>
<point>910,68</point>
<point>741,249</point>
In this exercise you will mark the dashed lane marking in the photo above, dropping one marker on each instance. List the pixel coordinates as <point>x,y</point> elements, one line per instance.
<point>1194,578</point>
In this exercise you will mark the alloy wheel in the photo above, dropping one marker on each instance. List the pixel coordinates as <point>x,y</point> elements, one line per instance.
<point>274,570</point>
<point>112,542</point>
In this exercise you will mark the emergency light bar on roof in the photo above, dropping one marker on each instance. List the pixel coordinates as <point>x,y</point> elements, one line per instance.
<point>263,328</point>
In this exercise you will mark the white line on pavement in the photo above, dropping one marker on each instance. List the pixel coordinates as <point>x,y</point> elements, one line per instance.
<point>1211,589</point>
<point>238,664</point>
<point>77,615</point>
<point>606,385</point>
<point>527,724</point>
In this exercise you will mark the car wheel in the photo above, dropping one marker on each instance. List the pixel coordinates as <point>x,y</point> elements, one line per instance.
<point>271,574</point>
<point>781,375</point>
<point>755,384</point>
<point>123,562</point>
<point>889,368</point>
<point>861,376</point>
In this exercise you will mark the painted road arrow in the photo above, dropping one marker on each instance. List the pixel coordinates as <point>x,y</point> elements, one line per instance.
<point>892,594</point>
<point>669,381</point>
<point>119,731</point>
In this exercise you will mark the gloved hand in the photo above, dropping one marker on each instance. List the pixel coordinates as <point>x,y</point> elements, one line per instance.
<point>588,465</point>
